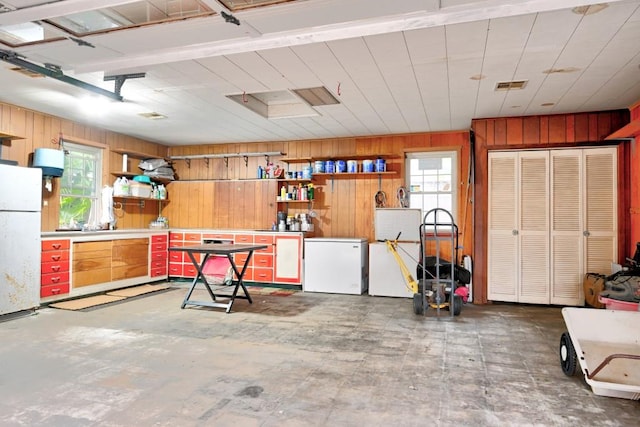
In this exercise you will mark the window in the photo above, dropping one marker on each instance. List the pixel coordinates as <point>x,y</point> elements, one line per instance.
<point>80,184</point>
<point>432,177</point>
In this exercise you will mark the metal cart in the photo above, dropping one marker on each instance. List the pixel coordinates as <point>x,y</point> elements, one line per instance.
<point>606,346</point>
<point>437,276</point>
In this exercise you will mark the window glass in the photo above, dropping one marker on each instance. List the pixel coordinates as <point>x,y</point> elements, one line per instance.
<point>79,184</point>
<point>432,178</point>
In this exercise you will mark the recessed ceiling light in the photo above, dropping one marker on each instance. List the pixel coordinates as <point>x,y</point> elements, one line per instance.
<point>548,104</point>
<point>153,116</point>
<point>561,70</point>
<point>590,9</point>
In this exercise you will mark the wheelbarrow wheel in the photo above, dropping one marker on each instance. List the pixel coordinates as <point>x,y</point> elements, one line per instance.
<point>418,306</point>
<point>568,356</point>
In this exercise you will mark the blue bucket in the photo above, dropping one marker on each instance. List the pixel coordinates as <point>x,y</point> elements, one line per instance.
<point>341,166</point>
<point>330,166</point>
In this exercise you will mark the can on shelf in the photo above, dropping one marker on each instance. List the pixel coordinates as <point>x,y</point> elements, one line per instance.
<point>318,166</point>
<point>367,166</point>
<point>352,166</point>
<point>330,166</point>
<point>341,166</point>
<point>381,165</point>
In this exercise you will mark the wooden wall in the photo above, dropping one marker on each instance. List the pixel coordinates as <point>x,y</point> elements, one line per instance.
<point>565,130</point>
<point>33,130</point>
<point>344,207</point>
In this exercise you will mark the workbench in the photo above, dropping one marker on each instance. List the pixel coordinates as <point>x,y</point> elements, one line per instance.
<point>218,249</point>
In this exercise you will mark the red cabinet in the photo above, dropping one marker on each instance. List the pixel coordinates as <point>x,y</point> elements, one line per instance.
<point>158,255</point>
<point>54,259</point>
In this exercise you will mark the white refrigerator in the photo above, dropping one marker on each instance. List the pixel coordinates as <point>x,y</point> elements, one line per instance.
<point>336,265</point>
<point>20,241</point>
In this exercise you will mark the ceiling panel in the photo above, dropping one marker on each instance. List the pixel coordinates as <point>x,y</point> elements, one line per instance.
<point>410,66</point>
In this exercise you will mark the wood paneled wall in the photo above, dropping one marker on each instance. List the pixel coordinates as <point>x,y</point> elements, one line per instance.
<point>344,206</point>
<point>36,130</point>
<point>634,178</point>
<point>565,130</point>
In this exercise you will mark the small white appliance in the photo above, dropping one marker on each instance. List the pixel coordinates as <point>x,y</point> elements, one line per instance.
<point>385,277</point>
<point>336,265</point>
<point>20,199</point>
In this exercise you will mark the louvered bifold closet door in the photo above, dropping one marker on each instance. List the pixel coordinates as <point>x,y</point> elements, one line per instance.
<point>601,228</point>
<point>567,214</point>
<point>502,274</point>
<point>533,229</point>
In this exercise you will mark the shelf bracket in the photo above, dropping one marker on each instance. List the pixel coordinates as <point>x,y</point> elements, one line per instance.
<point>226,162</point>
<point>246,161</point>
<point>206,162</point>
<point>379,182</point>
<point>188,163</point>
<point>141,204</point>
<point>266,158</point>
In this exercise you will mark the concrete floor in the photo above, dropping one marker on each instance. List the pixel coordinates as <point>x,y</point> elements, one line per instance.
<point>300,360</point>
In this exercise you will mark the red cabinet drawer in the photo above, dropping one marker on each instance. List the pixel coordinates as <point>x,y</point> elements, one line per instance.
<point>244,238</point>
<point>156,272</point>
<point>175,256</point>
<point>50,290</point>
<point>264,239</point>
<point>262,260</point>
<point>175,269</point>
<point>248,274</point>
<point>267,250</point>
<point>55,267</point>
<point>189,271</point>
<point>159,255</point>
<point>193,237</point>
<point>262,275</point>
<point>55,245</point>
<point>54,278</point>
<point>55,256</point>
<point>176,237</point>
<point>158,263</point>
<point>159,238</point>
<point>217,236</point>
<point>240,259</point>
<point>156,247</point>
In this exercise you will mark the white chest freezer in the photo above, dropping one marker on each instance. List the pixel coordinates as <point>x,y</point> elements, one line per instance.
<point>385,277</point>
<point>336,265</point>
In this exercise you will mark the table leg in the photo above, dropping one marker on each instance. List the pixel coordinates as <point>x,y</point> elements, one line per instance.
<point>240,282</point>
<point>200,275</point>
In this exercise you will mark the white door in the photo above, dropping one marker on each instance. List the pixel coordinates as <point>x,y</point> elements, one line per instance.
<point>533,227</point>
<point>502,274</point>
<point>584,224</point>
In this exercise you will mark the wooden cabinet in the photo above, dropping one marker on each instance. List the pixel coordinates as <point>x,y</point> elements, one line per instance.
<point>129,258</point>
<point>280,262</point>
<point>158,256</point>
<point>91,263</point>
<point>552,218</point>
<point>54,259</point>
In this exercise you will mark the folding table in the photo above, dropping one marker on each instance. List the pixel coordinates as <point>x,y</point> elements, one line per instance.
<point>227,249</point>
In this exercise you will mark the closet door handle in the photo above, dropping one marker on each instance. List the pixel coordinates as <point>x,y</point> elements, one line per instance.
<point>514,232</point>
<point>586,233</point>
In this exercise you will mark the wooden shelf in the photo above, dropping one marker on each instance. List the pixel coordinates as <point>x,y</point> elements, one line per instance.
<point>140,198</point>
<point>293,180</point>
<point>295,201</point>
<point>132,174</point>
<point>340,157</point>
<point>351,174</point>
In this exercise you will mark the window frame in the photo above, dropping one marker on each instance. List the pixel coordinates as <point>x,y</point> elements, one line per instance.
<point>432,153</point>
<point>95,150</point>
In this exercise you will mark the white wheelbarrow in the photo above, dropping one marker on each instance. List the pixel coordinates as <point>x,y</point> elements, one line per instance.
<point>606,345</point>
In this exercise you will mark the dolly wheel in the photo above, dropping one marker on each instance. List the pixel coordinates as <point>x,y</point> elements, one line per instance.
<point>568,357</point>
<point>418,307</point>
<point>457,305</point>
